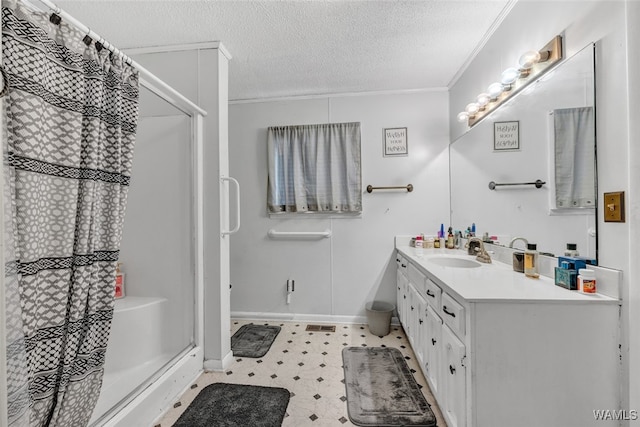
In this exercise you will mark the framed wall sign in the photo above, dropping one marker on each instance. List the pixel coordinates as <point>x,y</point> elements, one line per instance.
<point>395,142</point>
<point>506,136</point>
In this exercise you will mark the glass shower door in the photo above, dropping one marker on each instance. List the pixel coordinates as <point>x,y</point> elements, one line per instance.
<point>154,323</point>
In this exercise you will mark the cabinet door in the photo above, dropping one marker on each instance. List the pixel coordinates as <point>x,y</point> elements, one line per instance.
<point>453,379</point>
<point>405,304</point>
<point>411,312</point>
<point>432,350</point>
<point>399,294</point>
<point>420,331</point>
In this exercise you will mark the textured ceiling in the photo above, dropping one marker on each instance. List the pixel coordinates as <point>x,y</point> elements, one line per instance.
<point>291,48</point>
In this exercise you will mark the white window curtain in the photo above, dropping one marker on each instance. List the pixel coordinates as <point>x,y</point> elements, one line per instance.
<point>574,134</point>
<point>314,169</point>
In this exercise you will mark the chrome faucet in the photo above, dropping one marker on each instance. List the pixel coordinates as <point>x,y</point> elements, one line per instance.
<point>526,242</point>
<point>483,255</point>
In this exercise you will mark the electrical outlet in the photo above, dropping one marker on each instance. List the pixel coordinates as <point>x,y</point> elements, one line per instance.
<point>614,207</point>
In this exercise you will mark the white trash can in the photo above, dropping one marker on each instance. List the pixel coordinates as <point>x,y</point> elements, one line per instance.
<point>379,317</point>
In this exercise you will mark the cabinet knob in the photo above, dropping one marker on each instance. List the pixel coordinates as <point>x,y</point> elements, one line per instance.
<point>444,308</point>
<point>432,295</point>
<point>411,308</point>
<point>403,265</point>
<point>433,341</point>
<point>404,296</point>
<point>420,321</point>
<point>452,369</point>
<point>397,260</point>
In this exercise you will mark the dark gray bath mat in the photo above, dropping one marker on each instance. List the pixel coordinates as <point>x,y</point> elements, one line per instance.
<point>381,390</point>
<point>236,405</point>
<point>253,340</point>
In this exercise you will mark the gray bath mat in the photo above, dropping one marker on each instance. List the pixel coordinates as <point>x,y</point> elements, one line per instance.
<point>381,390</point>
<point>253,340</point>
<point>236,405</point>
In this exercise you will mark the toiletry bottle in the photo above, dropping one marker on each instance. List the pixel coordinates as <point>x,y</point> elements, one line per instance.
<point>587,281</point>
<point>473,229</point>
<point>119,286</point>
<point>450,238</point>
<point>531,261</point>
<point>428,243</point>
<point>419,246</point>
<point>572,250</point>
<point>436,241</point>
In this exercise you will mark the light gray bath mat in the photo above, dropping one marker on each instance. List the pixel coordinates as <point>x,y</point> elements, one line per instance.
<point>236,405</point>
<point>381,390</point>
<point>253,340</point>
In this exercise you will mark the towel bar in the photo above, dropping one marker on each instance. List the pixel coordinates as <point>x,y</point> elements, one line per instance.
<point>299,234</point>
<point>538,183</point>
<point>408,187</point>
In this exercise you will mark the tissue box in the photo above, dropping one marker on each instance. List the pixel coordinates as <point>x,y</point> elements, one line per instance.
<point>567,279</point>
<point>576,263</point>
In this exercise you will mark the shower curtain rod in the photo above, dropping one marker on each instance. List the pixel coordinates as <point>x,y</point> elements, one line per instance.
<point>147,79</point>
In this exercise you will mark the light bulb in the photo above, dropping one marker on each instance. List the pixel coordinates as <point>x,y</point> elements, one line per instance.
<point>495,89</point>
<point>483,99</point>
<point>472,108</point>
<point>528,59</point>
<point>509,76</point>
<point>463,116</point>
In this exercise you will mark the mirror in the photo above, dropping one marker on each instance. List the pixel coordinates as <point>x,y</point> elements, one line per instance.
<point>547,133</point>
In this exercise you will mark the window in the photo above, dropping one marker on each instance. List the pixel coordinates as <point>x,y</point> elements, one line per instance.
<point>314,169</point>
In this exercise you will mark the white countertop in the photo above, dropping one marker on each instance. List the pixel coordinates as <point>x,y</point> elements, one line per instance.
<point>493,282</point>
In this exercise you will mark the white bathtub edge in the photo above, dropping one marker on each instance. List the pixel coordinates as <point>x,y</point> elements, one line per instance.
<point>152,403</point>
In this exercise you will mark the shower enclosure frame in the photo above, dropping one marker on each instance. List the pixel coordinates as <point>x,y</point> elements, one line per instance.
<point>145,401</point>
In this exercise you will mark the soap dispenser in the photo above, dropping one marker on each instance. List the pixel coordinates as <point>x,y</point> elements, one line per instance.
<point>531,261</point>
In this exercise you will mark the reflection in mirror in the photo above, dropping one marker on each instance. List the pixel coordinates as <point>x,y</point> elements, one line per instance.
<point>555,144</point>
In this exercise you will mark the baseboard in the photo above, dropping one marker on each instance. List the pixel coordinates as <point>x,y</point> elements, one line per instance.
<point>300,317</point>
<point>212,365</point>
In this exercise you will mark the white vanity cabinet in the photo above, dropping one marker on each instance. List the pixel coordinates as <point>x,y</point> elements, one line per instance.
<point>498,349</point>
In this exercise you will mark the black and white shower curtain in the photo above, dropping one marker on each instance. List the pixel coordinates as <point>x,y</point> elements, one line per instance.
<point>71,116</point>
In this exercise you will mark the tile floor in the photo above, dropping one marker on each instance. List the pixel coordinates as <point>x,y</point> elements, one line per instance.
<point>309,365</point>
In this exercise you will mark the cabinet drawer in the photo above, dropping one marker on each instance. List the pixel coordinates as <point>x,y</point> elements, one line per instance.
<point>401,262</point>
<point>416,277</point>
<point>453,314</point>
<point>433,294</point>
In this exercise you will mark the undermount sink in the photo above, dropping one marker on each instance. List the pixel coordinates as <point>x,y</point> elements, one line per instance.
<point>446,261</point>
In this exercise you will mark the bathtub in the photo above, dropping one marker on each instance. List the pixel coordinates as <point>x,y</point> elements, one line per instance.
<point>136,349</point>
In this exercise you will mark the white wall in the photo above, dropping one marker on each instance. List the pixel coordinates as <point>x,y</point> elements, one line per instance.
<point>337,276</point>
<point>611,25</point>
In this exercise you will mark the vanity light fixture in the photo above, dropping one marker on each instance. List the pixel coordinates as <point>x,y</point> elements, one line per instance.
<point>531,65</point>
<point>472,109</point>
<point>509,76</point>
<point>495,90</point>
<point>482,100</point>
